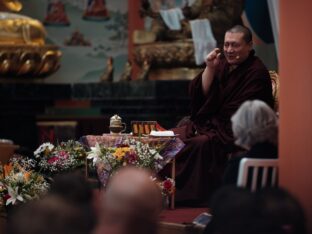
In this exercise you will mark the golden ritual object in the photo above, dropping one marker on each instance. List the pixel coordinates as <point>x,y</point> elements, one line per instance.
<point>175,60</point>
<point>275,88</point>
<point>116,126</point>
<point>23,51</point>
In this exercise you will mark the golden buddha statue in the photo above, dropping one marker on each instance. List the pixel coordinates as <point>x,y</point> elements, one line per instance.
<point>17,29</point>
<point>11,5</point>
<point>22,44</point>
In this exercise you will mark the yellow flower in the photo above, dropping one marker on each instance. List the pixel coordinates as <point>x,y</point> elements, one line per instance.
<point>125,149</point>
<point>121,152</point>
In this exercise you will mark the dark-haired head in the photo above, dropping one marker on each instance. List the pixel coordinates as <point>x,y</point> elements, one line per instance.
<point>232,209</point>
<point>242,29</point>
<point>279,208</point>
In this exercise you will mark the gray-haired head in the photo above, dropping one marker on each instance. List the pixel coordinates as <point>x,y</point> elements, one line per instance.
<point>254,122</point>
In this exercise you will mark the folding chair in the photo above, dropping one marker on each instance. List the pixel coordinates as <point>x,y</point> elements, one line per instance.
<point>263,173</point>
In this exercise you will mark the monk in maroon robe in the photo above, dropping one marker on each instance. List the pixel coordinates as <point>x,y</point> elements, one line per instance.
<point>228,80</point>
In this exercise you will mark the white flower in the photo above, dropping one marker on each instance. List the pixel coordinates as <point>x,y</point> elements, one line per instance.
<point>95,153</point>
<point>159,166</point>
<point>42,148</point>
<point>19,177</point>
<point>14,196</point>
<point>157,156</point>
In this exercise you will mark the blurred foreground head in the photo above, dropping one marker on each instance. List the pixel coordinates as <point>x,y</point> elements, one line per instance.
<point>281,210</point>
<point>131,203</point>
<point>50,215</point>
<point>72,187</point>
<point>233,211</point>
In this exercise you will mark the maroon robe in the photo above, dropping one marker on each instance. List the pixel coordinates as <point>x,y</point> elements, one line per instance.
<point>208,135</point>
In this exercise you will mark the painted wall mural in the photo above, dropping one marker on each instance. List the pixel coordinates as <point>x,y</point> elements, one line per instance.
<point>88,32</point>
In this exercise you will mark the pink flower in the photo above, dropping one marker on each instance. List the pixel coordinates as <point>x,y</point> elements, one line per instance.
<point>52,160</point>
<point>63,154</point>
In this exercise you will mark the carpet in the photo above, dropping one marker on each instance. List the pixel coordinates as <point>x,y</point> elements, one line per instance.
<point>181,215</point>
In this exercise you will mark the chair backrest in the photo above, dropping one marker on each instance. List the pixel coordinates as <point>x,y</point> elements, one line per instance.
<point>264,172</point>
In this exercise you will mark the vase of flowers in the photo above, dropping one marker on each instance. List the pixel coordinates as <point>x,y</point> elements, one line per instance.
<point>131,152</point>
<point>63,157</point>
<point>167,188</point>
<point>19,183</point>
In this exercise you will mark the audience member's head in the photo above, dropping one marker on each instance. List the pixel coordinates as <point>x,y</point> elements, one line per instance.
<point>267,211</point>
<point>49,216</point>
<point>131,203</point>
<point>254,122</point>
<point>232,210</point>
<point>74,189</point>
<point>280,210</point>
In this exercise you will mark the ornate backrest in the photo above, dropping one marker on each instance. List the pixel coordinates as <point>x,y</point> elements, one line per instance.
<point>275,88</point>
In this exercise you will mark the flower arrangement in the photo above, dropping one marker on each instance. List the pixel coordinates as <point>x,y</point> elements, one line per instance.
<point>167,186</point>
<point>62,157</point>
<point>129,152</point>
<point>19,183</point>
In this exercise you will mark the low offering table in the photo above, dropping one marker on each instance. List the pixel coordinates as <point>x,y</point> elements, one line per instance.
<point>112,151</point>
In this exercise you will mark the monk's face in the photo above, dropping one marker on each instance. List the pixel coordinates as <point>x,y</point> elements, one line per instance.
<point>236,49</point>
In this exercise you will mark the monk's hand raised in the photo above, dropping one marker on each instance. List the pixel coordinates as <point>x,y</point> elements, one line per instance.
<point>213,58</point>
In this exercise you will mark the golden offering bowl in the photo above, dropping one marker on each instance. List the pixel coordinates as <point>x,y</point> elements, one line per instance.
<point>28,60</point>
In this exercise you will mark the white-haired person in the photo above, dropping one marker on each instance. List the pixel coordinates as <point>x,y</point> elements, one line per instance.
<point>255,128</point>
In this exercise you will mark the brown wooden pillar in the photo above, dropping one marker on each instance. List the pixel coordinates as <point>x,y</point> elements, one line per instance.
<point>295,145</point>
